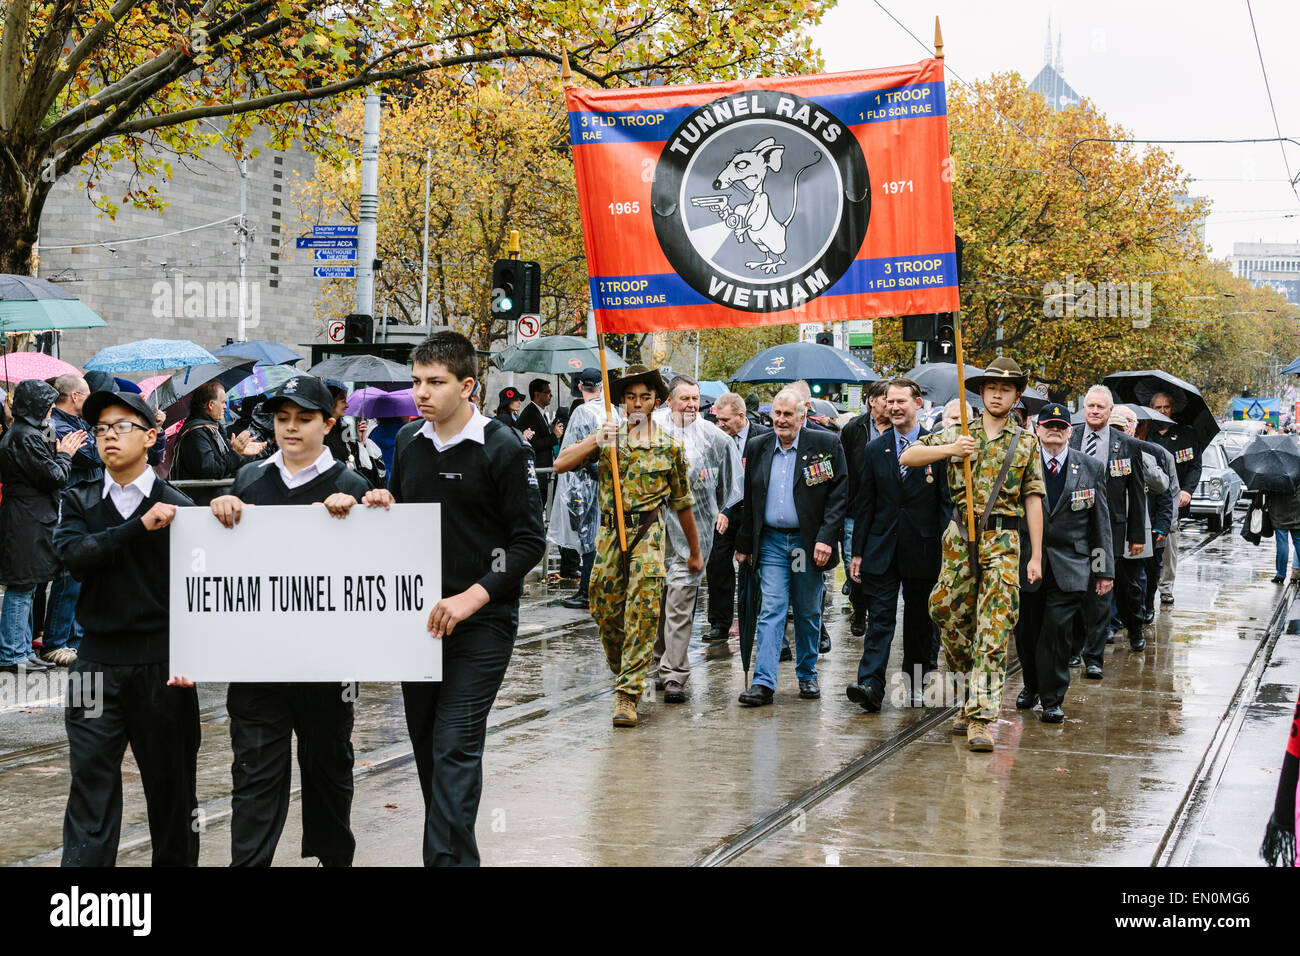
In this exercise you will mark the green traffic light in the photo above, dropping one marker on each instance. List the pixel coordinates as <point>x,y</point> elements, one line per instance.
<point>504,304</point>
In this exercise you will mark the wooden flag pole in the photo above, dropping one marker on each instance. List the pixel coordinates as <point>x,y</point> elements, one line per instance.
<point>566,78</point>
<point>961,362</point>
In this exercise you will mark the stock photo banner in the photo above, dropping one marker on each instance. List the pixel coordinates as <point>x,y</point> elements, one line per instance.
<point>767,201</point>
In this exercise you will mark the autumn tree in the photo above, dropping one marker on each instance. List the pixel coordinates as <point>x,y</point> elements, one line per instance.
<point>91,84</point>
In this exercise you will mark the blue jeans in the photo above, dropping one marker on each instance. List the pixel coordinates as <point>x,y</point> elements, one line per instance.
<point>62,629</point>
<point>16,625</point>
<point>785,587</point>
<point>1280,537</point>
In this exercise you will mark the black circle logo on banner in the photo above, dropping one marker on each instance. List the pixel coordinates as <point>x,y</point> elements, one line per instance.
<point>761,200</point>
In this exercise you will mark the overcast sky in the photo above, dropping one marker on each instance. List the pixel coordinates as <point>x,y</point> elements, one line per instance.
<point>1185,70</point>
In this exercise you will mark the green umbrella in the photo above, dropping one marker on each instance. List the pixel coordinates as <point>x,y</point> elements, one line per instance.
<point>35,305</point>
<point>554,355</point>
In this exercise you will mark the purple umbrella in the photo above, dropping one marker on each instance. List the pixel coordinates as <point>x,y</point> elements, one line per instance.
<point>376,403</point>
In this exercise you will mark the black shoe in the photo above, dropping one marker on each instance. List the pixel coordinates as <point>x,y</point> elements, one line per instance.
<point>1093,672</point>
<point>867,695</point>
<point>1138,646</point>
<point>1025,700</point>
<point>577,601</point>
<point>810,689</point>
<point>1053,715</point>
<point>659,683</point>
<point>1275,581</point>
<point>674,693</point>
<point>715,635</point>
<point>787,654</point>
<point>756,696</point>
<point>1110,637</point>
<point>1149,616</point>
<point>33,664</point>
<point>825,646</point>
<point>1166,599</point>
<point>1076,661</point>
<point>858,623</point>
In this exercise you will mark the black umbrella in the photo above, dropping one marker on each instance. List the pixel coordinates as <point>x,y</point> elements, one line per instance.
<point>174,394</point>
<point>1270,463</point>
<point>1190,409</point>
<point>363,369</point>
<point>938,381</point>
<point>803,360</point>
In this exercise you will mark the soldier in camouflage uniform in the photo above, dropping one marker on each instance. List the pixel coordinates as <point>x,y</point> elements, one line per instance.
<point>626,589</point>
<point>977,617</point>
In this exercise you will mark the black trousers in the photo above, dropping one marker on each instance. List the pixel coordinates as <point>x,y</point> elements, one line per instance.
<point>161,724</point>
<point>1043,637</point>
<point>1154,565</point>
<point>881,591</point>
<point>447,723</point>
<point>720,575</point>
<point>263,719</point>
<point>1128,600</point>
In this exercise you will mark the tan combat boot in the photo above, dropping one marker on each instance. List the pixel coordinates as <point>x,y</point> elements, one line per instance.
<point>959,723</point>
<point>624,710</point>
<point>979,737</point>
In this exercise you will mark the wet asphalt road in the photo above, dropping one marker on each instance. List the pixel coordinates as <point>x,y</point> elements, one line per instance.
<point>1175,754</point>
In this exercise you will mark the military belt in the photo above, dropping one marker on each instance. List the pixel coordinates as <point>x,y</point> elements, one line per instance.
<point>634,518</point>
<point>1002,522</point>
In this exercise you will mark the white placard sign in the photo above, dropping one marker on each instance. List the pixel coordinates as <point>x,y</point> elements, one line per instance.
<point>293,594</point>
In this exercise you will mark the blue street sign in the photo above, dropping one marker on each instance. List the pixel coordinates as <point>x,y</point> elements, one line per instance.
<point>334,272</point>
<point>328,232</point>
<point>317,243</point>
<point>326,255</point>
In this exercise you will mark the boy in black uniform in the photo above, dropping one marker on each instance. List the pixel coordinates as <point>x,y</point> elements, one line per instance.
<point>481,472</point>
<point>264,716</point>
<point>113,538</point>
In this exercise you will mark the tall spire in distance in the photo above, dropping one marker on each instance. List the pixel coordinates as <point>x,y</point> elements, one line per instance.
<point>1060,64</point>
<point>1047,44</point>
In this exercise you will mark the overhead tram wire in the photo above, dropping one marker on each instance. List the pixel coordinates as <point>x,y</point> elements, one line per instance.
<point>1273,108</point>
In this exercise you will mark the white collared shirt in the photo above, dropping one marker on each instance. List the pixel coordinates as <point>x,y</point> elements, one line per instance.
<point>473,431</point>
<point>1059,459</point>
<point>126,498</point>
<point>314,470</point>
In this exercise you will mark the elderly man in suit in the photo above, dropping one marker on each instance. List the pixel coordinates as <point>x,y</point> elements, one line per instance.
<point>901,514</point>
<point>795,495</point>
<point>1077,560</point>
<point>1121,459</point>
<point>856,434</point>
<point>729,409</point>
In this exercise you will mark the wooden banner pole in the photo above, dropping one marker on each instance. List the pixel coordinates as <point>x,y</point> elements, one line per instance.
<point>566,78</point>
<point>961,361</point>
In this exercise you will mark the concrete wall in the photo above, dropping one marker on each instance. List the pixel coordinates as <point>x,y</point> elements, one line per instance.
<point>132,284</point>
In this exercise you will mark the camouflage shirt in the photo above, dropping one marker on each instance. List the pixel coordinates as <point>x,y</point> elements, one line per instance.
<point>1024,478</point>
<point>650,474</point>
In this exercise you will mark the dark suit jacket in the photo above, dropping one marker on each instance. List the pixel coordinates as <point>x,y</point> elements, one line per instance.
<point>900,519</point>
<point>1070,534</point>
<point>1162,506</point>
<point>1180,438</point>
<point>820,507</point>
<point>855,436</point>
<point>1125,494</point>
<point>530,416</point>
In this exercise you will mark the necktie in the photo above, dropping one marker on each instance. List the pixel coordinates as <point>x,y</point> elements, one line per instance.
<point>1091,450</point>
<point>902,447</point>
<point>1053,465</point>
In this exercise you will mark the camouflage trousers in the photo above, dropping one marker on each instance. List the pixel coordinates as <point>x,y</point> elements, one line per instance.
<point>975,625</point>
<point>626,611</point>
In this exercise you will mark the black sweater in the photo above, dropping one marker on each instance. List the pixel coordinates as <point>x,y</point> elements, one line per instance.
<point>259,483</point>
<point>491,509</point>
<point>123,569</point>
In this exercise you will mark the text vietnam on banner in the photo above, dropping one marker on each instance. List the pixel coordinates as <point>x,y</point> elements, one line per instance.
<point>766,201</point>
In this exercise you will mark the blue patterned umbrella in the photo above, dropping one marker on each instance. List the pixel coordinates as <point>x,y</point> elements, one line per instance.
<point>264,379</point>
<point>148,355</point>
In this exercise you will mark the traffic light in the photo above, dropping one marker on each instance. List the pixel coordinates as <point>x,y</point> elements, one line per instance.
<point>505,282</point>
<point>358,329</point>
<point>825,338</point>
<point>943,347</point>
<point>920,328</point>
<point>516,288</point>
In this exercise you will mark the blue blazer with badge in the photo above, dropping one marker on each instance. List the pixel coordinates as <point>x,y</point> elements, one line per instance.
<point>1076,524</point>
<point>820,504</point>
<point>900,519</point>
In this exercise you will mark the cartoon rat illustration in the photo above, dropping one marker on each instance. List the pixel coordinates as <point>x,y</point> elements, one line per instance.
<point>749,168</point>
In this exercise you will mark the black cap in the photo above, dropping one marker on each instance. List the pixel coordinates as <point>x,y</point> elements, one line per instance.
<point>510,394</point>
<point>1054,413</point>
<point>98,401</point>
<point>588,376</point>
<point>305,391</point>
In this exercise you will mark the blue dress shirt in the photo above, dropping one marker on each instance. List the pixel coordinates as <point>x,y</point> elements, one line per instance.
<point>779,511</point>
